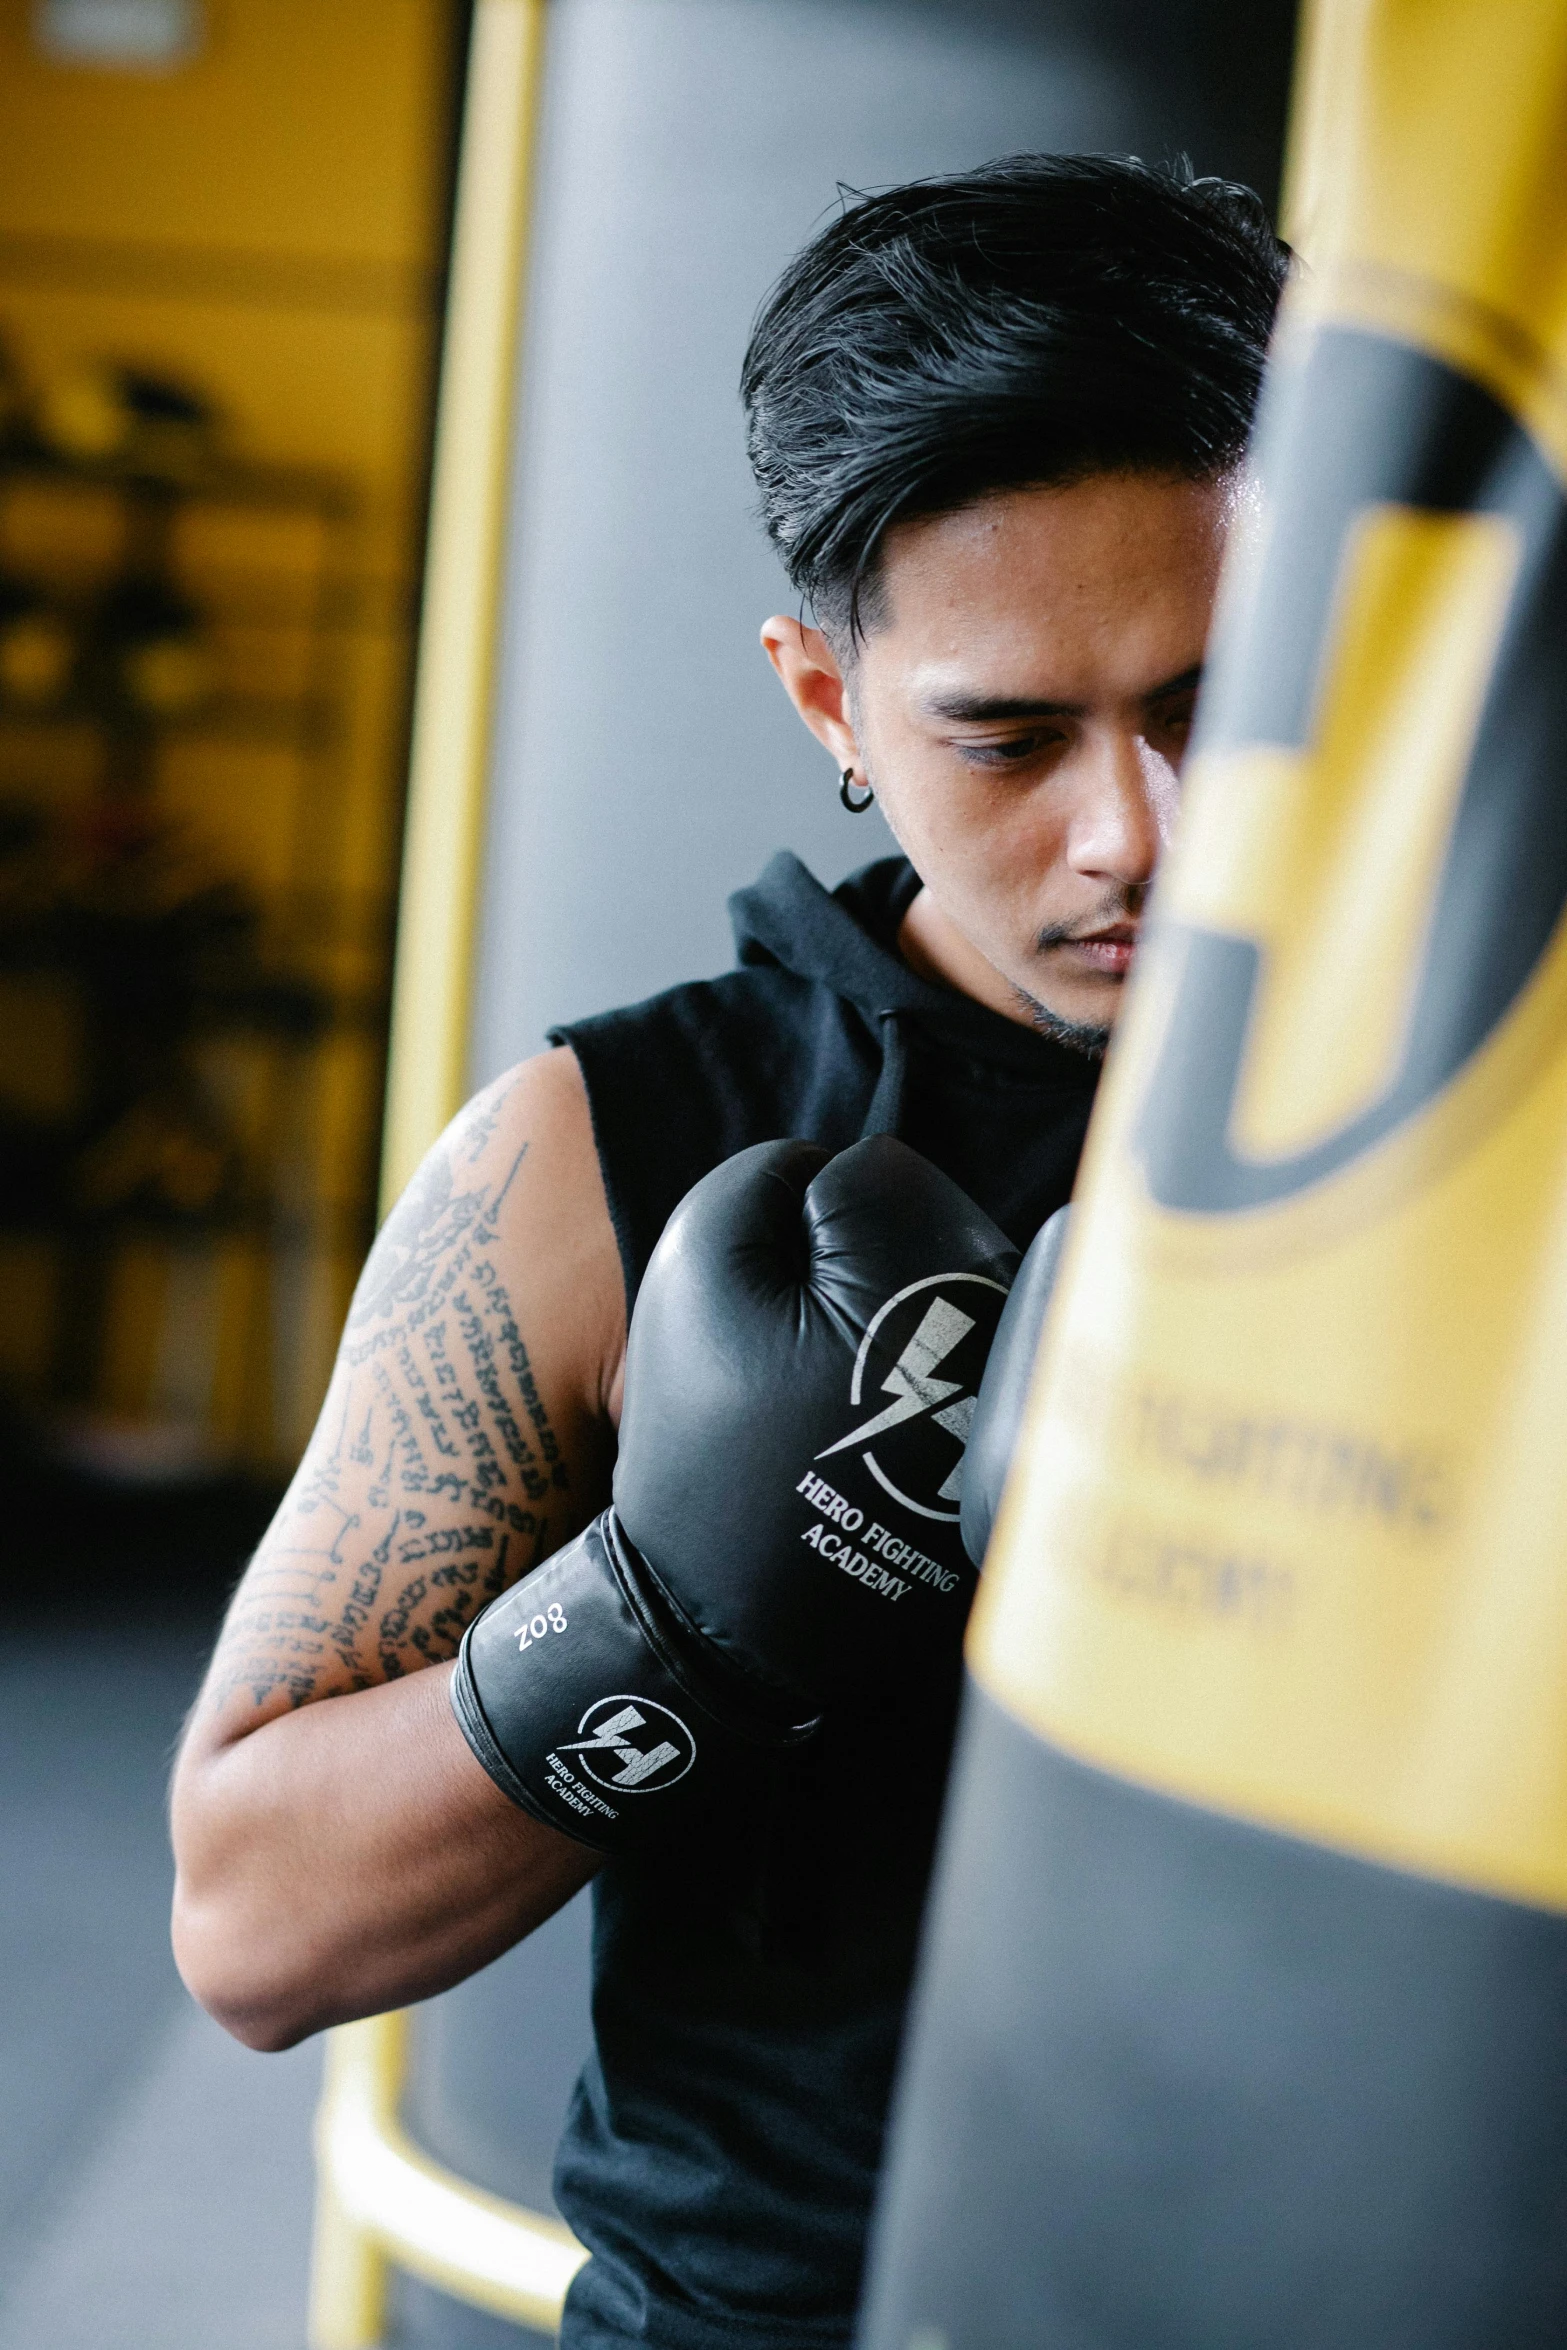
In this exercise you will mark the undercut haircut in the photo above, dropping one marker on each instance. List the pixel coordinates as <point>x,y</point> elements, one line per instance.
<point>1026,325</point>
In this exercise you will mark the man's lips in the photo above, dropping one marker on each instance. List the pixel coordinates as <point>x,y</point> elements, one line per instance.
<point>1108,951</point>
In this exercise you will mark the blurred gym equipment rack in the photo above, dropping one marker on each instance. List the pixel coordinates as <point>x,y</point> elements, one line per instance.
<point>167,612</point>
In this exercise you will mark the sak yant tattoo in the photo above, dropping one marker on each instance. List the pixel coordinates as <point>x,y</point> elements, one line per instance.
<point>434,1477</point>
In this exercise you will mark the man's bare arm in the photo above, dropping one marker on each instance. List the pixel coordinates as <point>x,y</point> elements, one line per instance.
<point>339,1858</point>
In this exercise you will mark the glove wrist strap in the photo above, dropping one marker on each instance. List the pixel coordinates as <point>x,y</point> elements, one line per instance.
<point>594,1708</point>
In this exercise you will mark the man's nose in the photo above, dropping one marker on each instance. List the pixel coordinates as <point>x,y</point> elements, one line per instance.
<point>1124,806</point>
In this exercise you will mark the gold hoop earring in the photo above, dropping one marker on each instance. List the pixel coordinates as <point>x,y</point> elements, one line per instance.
<point>846,793</point>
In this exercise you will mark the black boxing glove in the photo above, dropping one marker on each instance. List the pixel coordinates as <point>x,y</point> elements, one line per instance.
<point>801,1375</point>
<point>1003,1392</point>
<point>585,1694</point>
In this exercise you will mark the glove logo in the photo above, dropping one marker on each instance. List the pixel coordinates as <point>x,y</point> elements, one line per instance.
<point>613,1755</point>
<point>925,1335</point>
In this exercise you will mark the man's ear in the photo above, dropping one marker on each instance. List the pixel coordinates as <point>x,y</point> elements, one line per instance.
<point>814,683</point>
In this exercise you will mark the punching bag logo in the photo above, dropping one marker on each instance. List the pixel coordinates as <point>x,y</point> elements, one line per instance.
<point>937,1345</point>
<point>1378,431</point>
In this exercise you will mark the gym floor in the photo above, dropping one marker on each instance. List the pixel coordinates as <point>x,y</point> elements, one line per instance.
<point>155,2177</point>
<point>156,2182</point>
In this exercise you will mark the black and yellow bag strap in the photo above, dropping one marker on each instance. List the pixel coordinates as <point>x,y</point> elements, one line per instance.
<point>1243,2016</point>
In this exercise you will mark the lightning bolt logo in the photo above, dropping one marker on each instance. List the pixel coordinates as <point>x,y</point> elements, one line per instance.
<point>605,1731</point>
<point>914,1387</point>
<point>916,1383</point>
<point>610,1738</point>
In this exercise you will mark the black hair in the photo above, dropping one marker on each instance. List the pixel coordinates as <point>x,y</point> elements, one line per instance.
<point>1034,322</point>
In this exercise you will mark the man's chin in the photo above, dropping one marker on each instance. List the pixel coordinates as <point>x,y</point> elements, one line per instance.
<point>1088,1037</point>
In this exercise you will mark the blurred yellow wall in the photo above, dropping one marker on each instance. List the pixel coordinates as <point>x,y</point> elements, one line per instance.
<point>267,219</point>
<point>267,222</point>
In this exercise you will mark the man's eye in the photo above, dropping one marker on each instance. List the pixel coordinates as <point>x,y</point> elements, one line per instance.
<point>1016,751</point>
<point>1178,718</point>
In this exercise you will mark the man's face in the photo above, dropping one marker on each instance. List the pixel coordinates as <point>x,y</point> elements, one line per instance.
<point>1021,704</point>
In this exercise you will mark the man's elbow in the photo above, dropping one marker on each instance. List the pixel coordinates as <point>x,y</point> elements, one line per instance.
<point>226,1973</point>
<point>225,1927</point>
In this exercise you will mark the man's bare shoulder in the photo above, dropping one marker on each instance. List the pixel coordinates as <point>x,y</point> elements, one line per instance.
<point>518,1167</point>
<point>467,1431</point>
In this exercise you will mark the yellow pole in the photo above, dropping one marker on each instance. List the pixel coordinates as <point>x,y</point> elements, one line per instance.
<point>348,2262</point>
<point>383,2203</point>
<point>432,986</point>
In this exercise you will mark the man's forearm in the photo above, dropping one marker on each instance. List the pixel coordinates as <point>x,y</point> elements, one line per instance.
<point>350,1856</point>
<point>339,1850</point>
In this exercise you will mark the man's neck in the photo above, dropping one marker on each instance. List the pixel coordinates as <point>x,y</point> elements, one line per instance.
<point>938,950</point>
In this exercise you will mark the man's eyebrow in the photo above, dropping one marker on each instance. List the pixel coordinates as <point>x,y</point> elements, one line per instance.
<point>993,709</point>
<point>1187,682</point>
<point>980,709</point>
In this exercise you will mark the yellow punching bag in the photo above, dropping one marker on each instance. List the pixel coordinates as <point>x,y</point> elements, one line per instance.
<point>1242,2023</point>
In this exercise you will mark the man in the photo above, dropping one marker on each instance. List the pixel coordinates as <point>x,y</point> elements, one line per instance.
<point>998,424</point>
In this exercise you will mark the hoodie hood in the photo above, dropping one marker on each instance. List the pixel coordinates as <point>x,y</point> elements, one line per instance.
<point>824,1033</point>
<point>846,939</point>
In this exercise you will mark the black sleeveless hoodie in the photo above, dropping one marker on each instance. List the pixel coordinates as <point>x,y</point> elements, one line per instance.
<point>720,2156</point>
